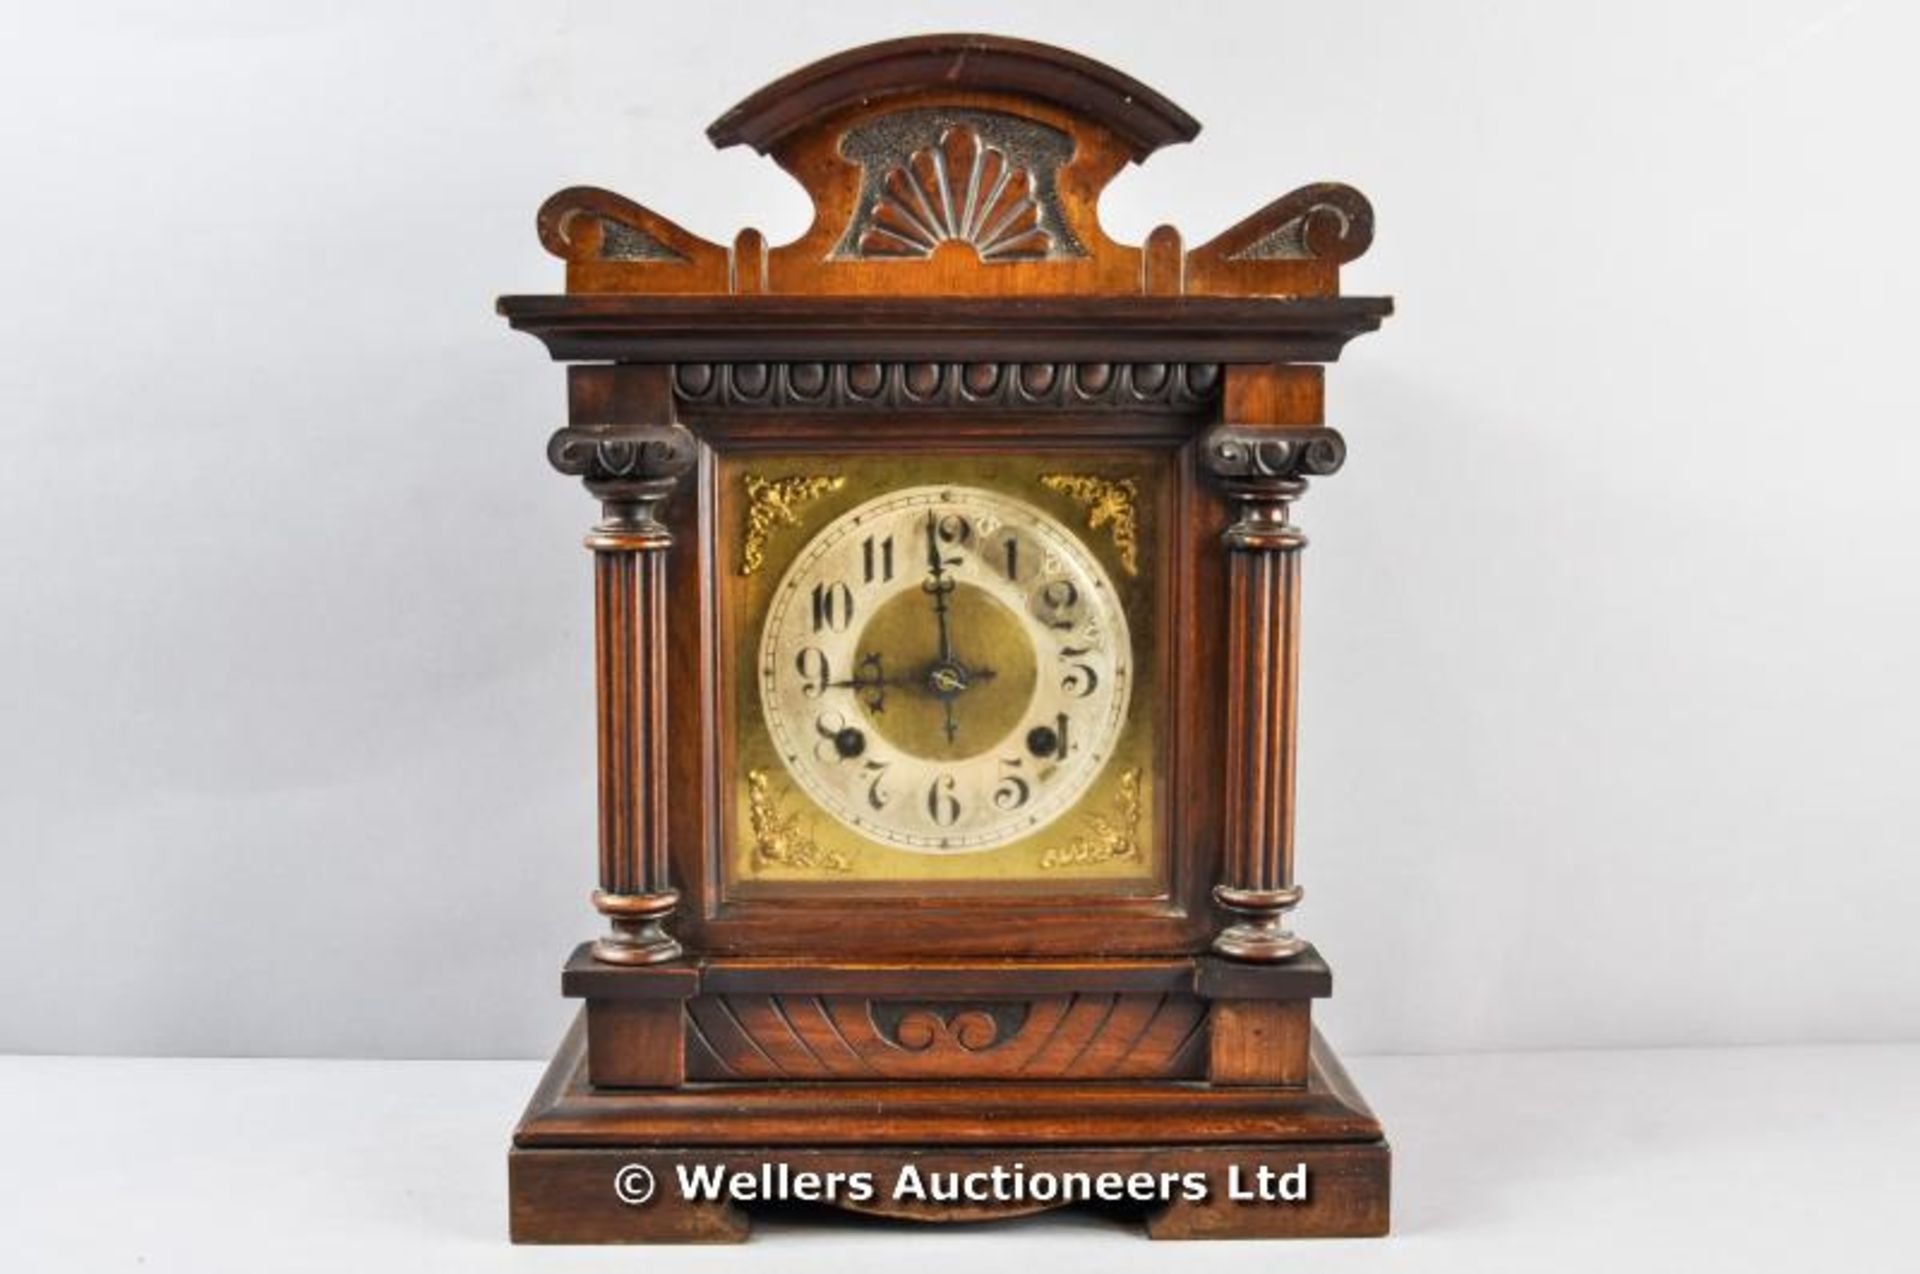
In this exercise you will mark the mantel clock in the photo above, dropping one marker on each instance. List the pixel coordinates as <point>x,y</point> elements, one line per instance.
<point>946,598</point>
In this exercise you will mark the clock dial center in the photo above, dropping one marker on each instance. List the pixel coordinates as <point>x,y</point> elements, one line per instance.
<point>983,687</point>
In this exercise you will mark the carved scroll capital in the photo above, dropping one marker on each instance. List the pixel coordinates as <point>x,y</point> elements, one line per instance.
<point>1265,469</point>
<point>623,453</point>
<point>631,469</point>
<point>1248,453</point>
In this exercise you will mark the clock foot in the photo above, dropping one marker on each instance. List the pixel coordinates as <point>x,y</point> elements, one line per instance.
<point>593,1196</point>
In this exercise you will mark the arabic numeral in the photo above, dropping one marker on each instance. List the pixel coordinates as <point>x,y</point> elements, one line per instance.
<point>813,664</point>
<point>1057,603</point>
<point>943,807</point>
<point>1081,679</point>
<point>954,529</point>
<point>875,772</point>
<point>877,558</point>
<point>832,606</point>
<point>1013,790</point>
<point>831,727</point>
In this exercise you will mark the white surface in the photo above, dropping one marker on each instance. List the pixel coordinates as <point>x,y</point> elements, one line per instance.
<point>1753,1160</point>
<point>1610,620</point>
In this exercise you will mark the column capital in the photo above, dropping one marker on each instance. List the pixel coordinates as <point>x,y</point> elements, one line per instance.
<point>1267,454</point>
<point>612,457</point>
<point>631,469</point>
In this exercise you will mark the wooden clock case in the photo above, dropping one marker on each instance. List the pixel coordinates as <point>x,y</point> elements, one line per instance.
<point>1162,1032</point>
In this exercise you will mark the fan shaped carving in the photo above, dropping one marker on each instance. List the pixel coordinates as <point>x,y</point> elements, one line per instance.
<point>937,176</point>
<point>961,190</point>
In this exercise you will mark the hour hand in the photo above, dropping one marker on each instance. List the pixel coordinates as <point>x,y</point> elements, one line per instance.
<point>869,682</point>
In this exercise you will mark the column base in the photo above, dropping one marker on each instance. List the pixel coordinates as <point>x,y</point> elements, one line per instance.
<point>1263,935</point>
<point>639,934</point>
<point>1255,941</point>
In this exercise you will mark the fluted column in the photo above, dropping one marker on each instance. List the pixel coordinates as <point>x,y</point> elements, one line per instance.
<point>631,469</point>
<point>1263,469</point>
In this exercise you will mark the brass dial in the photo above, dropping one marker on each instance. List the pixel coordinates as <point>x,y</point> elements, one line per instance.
<point>945,669</point>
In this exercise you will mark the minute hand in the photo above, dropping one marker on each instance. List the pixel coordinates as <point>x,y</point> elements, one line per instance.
<point>938,585</point>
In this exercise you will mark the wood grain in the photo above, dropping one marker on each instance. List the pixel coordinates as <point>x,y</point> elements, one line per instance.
<point>954,294</point>
<point>1084,1035</point>
<point>566,1195</point>
<point>567,1110</point>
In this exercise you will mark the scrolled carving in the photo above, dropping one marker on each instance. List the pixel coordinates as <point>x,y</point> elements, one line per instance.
<point>1246,452</point>
<point>1081,1035</point>
<point>894,386</point>
<point>1325,222</point>
<point>586,223</point>
<point>942,174</point>
<point>605,453</point>
<point>919,1028</point>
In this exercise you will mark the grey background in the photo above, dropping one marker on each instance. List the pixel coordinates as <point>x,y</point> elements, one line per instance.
<point>1610,713</point>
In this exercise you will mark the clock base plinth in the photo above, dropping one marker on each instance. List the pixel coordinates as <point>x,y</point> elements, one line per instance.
<point>575,1142</point>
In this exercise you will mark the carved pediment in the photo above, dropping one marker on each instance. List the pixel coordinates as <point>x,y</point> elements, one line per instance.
<point>939,166</point>
<point>929,177</point>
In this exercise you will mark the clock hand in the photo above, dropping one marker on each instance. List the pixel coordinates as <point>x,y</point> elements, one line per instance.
<point>871,686</point>
<point>938,586</point>
<point>947,678</point>
<point>870,681</point>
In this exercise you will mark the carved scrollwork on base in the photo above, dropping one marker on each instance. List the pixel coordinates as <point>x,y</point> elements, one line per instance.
<point>1080,1035</point>
<point>969,1028</point>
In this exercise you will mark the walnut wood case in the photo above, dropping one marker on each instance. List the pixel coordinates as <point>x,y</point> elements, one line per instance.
<point>955,295</point>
